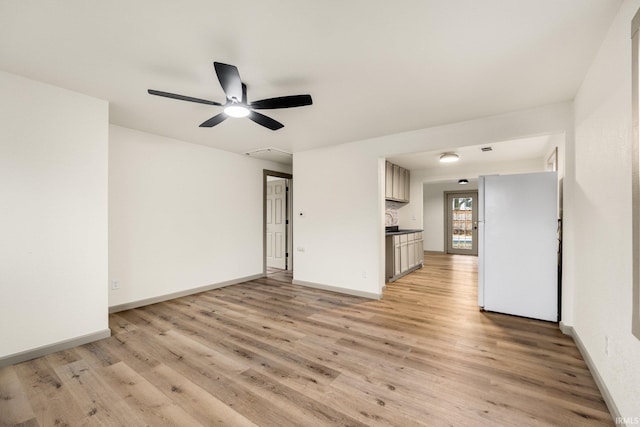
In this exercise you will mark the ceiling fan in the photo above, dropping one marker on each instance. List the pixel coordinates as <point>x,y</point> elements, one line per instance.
<point>237,104</point>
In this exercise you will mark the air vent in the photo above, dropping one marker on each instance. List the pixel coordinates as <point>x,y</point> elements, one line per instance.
<point>486,149</point>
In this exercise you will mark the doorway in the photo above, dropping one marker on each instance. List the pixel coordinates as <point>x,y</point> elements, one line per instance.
<point>461,222</point>
<point>277,224</point>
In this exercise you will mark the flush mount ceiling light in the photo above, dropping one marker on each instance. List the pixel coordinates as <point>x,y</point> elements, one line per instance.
<point>463,181</point>
<point>236,111</point>
<point>449,157</point>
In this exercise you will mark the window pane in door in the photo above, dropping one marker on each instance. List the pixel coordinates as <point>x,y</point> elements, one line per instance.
<point>462,223</point>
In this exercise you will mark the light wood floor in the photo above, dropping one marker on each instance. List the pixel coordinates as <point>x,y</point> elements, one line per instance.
<point>272,354</point>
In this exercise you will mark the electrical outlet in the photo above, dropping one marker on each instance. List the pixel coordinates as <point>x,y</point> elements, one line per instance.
<point>606,345</point>
<point>115,285</point>
<point>364,274</point>
<point>300,248</point>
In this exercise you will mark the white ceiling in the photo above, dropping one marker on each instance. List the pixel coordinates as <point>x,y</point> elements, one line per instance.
<point>373,67</point>
<point>533,148</point>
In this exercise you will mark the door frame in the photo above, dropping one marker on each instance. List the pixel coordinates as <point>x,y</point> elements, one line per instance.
<point>288,209</point>
<point>447,221</point>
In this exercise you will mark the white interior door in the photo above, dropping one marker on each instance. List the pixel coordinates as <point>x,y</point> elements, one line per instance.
<point>276,223</point>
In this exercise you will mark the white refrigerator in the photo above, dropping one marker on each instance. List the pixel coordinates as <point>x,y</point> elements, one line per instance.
<point>518,244</point>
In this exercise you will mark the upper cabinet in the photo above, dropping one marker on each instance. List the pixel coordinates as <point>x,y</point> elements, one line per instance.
<point>396,183</point>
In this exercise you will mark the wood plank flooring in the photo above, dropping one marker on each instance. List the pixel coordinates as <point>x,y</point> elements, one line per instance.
<point>268,353</point>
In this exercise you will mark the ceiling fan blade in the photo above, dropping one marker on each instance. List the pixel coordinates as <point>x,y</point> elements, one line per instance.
<point>282,102</point>
<point>265,121</point>
<point>181,97</point>
<point>244,94</point>
<point>215,120</point>
<point>229,78</point>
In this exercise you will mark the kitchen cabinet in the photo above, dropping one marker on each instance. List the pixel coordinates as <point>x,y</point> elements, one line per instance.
<point>404,254</point>
<point>396,184</point>
<point>406,180</point>
<point>397,255</point>
<point>415,250</point>
<point>411,252</point>
<point>388,181</point>
<point>416,254</point>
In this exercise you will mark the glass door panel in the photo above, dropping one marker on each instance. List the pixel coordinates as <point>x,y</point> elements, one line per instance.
<point>462,223</point>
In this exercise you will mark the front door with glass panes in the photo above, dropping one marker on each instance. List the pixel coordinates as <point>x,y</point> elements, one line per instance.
<point>461,223</point>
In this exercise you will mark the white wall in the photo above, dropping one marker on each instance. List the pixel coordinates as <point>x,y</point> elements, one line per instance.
<point>336,191</point>
<point>600,213</point>
<point>181,216</point>
<point>53,220</point>
<point>340,191</point>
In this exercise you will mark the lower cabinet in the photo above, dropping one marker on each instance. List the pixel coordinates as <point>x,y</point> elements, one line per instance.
<point>416,255</point>
<point>404,254</point>
<point>396,256</point>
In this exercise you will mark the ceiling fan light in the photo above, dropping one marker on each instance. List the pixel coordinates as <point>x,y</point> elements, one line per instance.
<point>449,157</point>
<point>236,111</point>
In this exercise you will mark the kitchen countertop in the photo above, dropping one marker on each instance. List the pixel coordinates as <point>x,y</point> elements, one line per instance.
<point>396,233</point>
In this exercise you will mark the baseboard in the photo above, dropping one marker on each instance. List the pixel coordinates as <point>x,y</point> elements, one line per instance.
<point>567,330</point>
<point>608,400</point>
<point>52,348</point>
<point>364,294</point>
<point>179,294</point>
